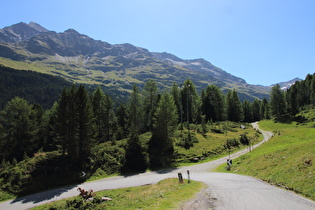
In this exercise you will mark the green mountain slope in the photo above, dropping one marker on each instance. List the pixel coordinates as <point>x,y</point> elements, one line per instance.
<point>34,87</point>
<point>81,59</point>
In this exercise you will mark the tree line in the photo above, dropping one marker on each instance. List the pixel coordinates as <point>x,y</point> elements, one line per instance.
<point>284,105</point>
<point>78,121</point>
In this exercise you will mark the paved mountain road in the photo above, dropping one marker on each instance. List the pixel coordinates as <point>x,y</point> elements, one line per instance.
<point>225,190</point>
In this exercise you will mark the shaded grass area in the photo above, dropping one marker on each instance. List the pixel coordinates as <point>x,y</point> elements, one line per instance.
<point>287,160</point>
<point>167,194</point>
<point>44,171</point>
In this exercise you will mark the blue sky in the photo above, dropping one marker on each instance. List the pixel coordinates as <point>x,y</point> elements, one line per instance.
<point>261,41</point>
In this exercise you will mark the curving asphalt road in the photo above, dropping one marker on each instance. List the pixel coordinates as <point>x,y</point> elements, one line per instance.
<point>225,190</point>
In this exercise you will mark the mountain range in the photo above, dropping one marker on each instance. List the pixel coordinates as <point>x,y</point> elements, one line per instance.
<point>81,59</point>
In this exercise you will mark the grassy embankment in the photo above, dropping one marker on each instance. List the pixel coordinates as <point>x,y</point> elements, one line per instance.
<point>167,194</point>
<point>287,160</point>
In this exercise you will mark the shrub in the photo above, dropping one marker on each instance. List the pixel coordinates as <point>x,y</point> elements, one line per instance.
<point>230,143</point>
<point>244,139</point>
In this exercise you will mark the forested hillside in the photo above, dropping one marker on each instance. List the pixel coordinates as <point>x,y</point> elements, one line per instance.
<point>84,131</point>
<point>38,88</point>
<point>286,104</point>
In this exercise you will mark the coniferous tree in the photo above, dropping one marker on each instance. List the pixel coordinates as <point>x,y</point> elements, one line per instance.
<point>19,129</point>
<point>98,110</point>
<point>110,120</point>
<point>105,118</point>
<point>135,114</point>
<point>175,91</point>
<point>277,103</point>
<point>189,98</point>
<point>74,124</point>
<point>256,109</point>
<point>61,121</point>
<point>307,85</point>
<point>234,109</point>
<point>40,121</point>
<point>205,104</point>
<point>291,101</point>
<point>264,109</point>
<point>51,142</point>
<point>248,111</point>
<point>213,104</point>
<point>136,157</point>
<point>150,95</point>
<point>302,96</point>
<point>122,121</point>
<point>161,146</point>
<point>312,90</point>
<point>85,126</point>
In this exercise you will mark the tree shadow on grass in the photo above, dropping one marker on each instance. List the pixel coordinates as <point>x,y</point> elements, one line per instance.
<point>158,170</point>
<point>288,119</point>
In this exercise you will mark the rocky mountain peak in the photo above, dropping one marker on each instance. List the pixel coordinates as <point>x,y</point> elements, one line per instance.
<point>288,84</point>
<point>37,27</point>
<point>71,31</point>
<point>116,65</point>
<point>20,32</point>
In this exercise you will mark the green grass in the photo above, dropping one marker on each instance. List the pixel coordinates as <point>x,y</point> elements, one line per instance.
<point>286,160</point>
<point>6,196</point>
<point>211,145</point>
<point>167,194</point>
<point>19,65</point>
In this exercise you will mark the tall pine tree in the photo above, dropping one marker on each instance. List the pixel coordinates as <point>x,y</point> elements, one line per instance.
<point>136,158</point>
<point>18,128</point>
<point>234,108</point>
<point>150,100</point>
<point>161,147</point>
<point>74,124</point>
<point>277,103</point>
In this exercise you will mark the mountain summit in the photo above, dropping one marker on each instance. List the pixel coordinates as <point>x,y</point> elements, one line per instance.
<point>20,32</point>
<point>81,59</point>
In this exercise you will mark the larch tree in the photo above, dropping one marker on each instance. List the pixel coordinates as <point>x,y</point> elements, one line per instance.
<point>161,146</point>
<point>18,129</point>
<point>277,103</point>
<point>150,100</point>
<point>136,157</point>
<point>234,108</point>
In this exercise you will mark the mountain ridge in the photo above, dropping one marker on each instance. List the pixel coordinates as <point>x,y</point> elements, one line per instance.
<point>288,84</point>
<point>79,58</point>
<point>20,32</point>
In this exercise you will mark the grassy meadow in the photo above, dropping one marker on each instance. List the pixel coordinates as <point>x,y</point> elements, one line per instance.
<point>167,194</point>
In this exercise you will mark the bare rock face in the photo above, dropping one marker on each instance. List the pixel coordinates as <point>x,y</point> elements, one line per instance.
<point>20,32</point>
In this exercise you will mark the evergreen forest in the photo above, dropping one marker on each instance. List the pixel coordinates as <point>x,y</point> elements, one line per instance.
<point>87,131</point>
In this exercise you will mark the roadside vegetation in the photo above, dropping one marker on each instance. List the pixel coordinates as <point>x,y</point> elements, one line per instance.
<point>287,160</point>
<point>45,169</point>
<point>85,136</point>
<point>167,194</point>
